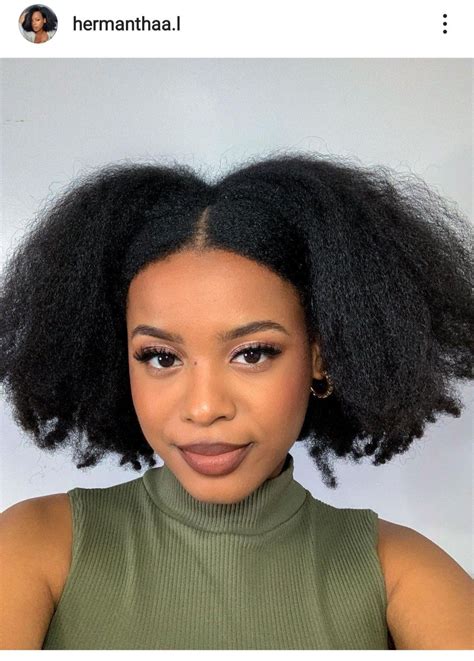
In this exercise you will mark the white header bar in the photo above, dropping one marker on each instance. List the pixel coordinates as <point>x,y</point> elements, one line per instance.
<point>246,28</point>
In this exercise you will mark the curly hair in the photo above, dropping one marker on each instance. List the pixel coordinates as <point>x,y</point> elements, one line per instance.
<point>382,265</point>
<point>51,19</point>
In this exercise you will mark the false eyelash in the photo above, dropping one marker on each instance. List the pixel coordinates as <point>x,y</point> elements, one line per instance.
<point>268,349</point>
<point>147,353</point>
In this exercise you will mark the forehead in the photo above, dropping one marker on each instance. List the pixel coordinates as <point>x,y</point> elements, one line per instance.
<point>210,283</point>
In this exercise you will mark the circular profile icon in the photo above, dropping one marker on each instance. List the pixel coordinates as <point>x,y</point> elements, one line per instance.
<point>38,24</point>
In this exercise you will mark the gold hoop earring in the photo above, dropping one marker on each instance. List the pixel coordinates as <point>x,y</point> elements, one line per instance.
<point>329,389</point>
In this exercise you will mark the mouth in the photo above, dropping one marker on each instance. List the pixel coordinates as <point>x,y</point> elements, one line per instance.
<point>208,449</point>
<point>215,461</point>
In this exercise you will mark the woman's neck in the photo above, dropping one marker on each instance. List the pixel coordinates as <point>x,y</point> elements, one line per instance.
<point>41,35</point>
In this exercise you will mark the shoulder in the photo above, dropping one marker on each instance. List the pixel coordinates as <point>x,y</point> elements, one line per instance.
<point>58,522</point>
<point>33,557</point>
<point>429,595</point>
<point>43,528</point>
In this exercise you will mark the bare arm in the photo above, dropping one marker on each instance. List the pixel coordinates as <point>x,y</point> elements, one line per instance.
<point>26,601</point>
<point>430,596</point>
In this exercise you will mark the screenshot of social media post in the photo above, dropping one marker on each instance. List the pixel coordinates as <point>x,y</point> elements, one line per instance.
<point>236,327</point>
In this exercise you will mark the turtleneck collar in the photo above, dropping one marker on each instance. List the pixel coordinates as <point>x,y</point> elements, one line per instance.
<point>271,504</point>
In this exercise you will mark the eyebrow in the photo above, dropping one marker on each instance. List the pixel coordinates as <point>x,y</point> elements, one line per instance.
<point>226,336</point>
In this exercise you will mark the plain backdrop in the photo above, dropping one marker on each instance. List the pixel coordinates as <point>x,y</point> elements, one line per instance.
<point>66,117</point>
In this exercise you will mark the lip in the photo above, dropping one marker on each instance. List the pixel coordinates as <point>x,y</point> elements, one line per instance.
<point>211,448</point>
<point>216,464</point>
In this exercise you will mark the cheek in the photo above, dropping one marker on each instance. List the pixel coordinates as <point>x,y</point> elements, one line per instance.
<point>154,411</point>
<point>143,398</point>
<point>290,400</point>
<point>282,403</point>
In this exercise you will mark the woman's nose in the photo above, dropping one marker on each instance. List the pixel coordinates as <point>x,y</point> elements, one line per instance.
<point>206,398</point>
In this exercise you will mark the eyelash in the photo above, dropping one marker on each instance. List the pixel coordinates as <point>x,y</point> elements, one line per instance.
<point>146,354</point>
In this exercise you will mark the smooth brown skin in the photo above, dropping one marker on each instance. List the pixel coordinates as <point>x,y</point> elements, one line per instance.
<point>208,393</point>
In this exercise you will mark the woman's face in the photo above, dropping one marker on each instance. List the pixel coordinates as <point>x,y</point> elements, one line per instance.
<point>37,21</point>
<point>205,388</point>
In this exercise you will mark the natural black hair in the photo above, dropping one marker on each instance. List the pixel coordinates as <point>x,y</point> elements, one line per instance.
<point>382,263</point>
<point>51,19</point>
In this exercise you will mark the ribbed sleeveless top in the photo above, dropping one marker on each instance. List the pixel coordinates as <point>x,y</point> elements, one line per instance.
<point>154,568</point>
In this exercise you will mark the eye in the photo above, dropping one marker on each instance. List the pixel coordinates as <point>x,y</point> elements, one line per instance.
<point>165,358</point>
<point>257,350</point>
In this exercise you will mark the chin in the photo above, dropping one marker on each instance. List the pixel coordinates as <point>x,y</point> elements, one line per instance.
<point>215,494</point>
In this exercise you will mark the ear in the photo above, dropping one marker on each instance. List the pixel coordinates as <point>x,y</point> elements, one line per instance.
<point>316,361</point>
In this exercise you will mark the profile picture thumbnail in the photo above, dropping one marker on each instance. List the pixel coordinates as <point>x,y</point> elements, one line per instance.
<point>38,24</point>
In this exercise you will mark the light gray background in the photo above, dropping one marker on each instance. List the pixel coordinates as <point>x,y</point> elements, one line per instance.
<point>65,117</point>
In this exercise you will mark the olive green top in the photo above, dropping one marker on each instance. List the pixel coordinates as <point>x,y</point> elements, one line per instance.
<point>155,568</point>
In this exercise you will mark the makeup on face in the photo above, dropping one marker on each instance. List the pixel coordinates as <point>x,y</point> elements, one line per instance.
<point>210,364</point>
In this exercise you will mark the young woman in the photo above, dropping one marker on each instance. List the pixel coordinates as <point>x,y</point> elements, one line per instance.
<point>38,24</point>
<point>296,299</point>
